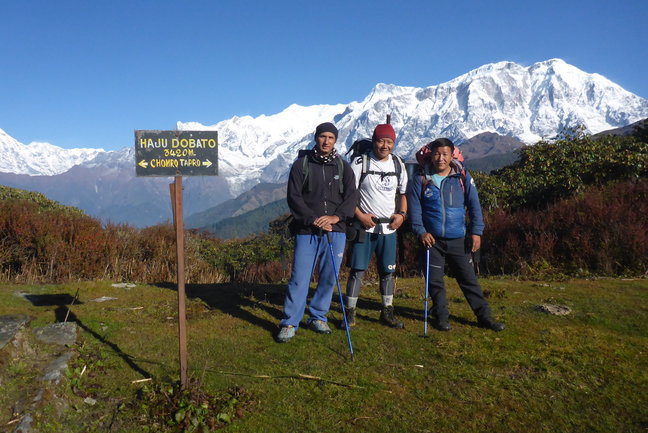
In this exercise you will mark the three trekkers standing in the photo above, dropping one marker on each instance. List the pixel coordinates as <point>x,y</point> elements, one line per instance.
<point>325,192</point>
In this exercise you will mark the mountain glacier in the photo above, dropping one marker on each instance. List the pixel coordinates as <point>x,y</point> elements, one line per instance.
<point>529,103</point>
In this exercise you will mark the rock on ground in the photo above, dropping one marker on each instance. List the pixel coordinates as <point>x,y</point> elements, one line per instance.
<point>63,333</point>
<point>9,326</point>
<point>556,310</point>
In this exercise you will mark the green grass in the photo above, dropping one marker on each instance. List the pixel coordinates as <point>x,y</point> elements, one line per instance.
<point>585,372</point>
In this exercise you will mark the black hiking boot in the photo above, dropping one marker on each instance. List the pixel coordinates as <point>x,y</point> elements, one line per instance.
<point>387,318</point>
<point>442,325</point>
<point>491,324</point>
<point>350,318</point>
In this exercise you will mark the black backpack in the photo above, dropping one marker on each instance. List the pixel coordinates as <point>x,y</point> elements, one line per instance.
<point>362,147</point>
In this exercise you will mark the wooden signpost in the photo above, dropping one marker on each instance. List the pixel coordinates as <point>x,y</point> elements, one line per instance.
<point>177,153</point>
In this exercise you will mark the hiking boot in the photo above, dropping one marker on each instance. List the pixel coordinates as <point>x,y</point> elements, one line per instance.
<point>491,324</point>
<point>442,325</point>
<point>387,318</point>
<point>286,333</point>
<point>350,318</point>
<point>319,326</point>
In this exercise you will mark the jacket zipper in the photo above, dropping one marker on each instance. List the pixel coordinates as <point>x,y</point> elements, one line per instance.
<point>324,179</point>
<point>443,212</point>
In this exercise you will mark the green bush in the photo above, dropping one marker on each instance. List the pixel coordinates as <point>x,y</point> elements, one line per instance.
<point>246,259</point>
<point>550,171</point>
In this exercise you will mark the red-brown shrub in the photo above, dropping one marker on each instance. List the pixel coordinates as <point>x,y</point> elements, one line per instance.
<point>603,231</point>
<point>49,245</point>
<point>54,245</point>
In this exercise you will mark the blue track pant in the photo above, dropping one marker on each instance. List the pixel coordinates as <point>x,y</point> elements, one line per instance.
<point>309,249</point>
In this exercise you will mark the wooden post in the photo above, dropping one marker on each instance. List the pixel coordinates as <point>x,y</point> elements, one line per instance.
<point>176,201</point>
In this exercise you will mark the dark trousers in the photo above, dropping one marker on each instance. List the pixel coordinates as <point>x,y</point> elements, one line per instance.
<point>453,250</point>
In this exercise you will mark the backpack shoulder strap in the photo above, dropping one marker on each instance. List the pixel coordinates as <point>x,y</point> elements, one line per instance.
<point>424,182</point>
<point>461,168</point>
<point>306,170</point>
<point>340,164</point>
<point>462,179</point>
<point>426,177</point>
<point>398,167</point>
<point>365,168</point>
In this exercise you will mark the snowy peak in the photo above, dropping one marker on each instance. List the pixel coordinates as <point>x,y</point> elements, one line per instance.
<point>248,145</point>
<point>529,103</point>
<point>383,92</point>
<point>39,158</point>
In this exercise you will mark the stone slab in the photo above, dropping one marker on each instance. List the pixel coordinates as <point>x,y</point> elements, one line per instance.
<point>556,310</point>
<point>9,326</point>
<point>54,370</point>
<point>63,333</point>
<point>25,424</point>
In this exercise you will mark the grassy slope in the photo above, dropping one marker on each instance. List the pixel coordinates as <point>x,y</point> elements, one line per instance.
<point>582,372</point>
<point>8,193</point>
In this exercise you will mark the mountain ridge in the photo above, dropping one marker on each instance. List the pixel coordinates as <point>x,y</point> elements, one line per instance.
<point>526,103</point>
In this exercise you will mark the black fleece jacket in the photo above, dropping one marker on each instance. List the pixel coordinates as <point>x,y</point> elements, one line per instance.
<point>324,199</point>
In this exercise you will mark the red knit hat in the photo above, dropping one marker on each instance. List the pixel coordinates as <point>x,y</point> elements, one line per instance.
<point>384,130</point>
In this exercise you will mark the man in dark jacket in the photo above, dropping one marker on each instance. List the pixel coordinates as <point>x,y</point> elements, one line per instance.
<point>321,196</point>
<point>437,204</point>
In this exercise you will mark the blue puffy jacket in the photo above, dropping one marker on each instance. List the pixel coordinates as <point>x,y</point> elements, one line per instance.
<point>442,211</point>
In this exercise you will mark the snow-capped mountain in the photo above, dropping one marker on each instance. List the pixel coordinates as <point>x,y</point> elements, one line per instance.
<point>39,158</point>
<point>528,103</point>
<point>251,147</point>
<point>103,184</point>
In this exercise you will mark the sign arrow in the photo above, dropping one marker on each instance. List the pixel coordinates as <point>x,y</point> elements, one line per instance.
<point>207,163</point>
<point>143,164</point>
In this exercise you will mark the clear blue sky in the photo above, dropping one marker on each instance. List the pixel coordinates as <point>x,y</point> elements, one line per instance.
<point>86,73</point>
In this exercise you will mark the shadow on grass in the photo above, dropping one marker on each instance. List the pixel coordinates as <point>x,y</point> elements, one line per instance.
<point>237,299</point>
<point>241,299</point>
<point>128,359</point>
<point>417,314</point>
<point>64,303</point>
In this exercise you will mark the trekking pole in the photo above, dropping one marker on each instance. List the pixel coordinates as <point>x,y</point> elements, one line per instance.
<point>427,281</point>
<point>337,280</point>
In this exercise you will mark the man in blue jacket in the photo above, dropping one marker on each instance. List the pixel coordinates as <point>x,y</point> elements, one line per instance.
<point>321,197</point>
<point>437,204</point>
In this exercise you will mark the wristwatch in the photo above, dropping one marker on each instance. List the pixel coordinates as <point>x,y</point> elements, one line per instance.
<point>403,213</point>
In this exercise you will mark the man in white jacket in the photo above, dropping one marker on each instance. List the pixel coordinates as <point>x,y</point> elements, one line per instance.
<point>380,178</point>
